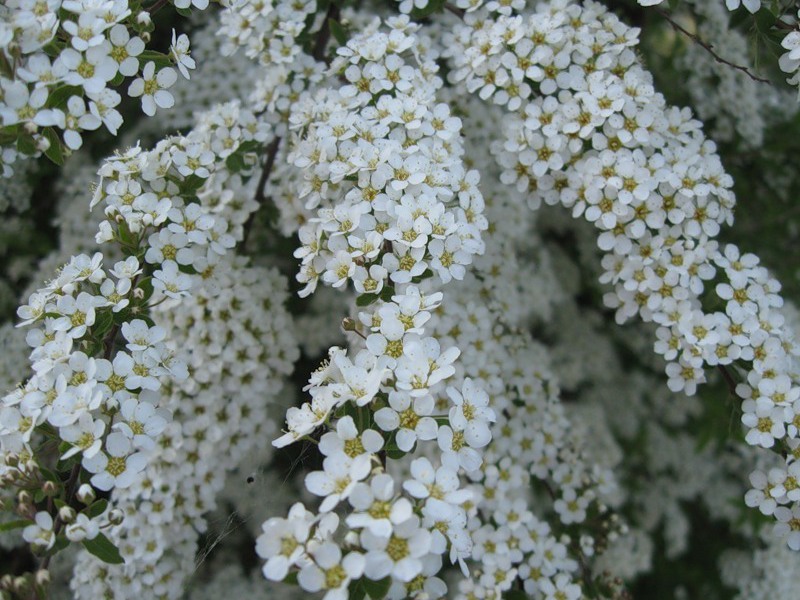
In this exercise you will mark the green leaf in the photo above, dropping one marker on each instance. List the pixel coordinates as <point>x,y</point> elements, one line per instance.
<point>58,98</point>
<point>433,7</point>
<point>235,162</point>
<point>11,525</point>
<point>377,590</point>
<point>26,145</point>
<point>103,549</point>
<point>356,590</point>
<point>54,152</point>
<point>366,299</point>
<point>97,509</point>
<point>515,595</point>
<point>103,322</point>
<point>338,32</point>
<point>146,285</point>
<point>161,60</point>
<point>291,578</point>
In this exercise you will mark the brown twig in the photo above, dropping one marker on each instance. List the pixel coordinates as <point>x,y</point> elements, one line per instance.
<point>459,12</point>
<point>726,375</point>
<point>324,34</point>
<point>709,48</point>
<point>260,197</point>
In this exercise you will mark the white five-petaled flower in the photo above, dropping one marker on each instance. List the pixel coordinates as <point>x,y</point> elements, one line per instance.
<point>338,478</point>
<point>152,87</point>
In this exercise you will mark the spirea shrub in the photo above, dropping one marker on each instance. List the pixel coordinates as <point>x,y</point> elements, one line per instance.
<point>411,299</point>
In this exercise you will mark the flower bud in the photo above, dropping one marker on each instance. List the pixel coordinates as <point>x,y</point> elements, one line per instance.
<point>49,488</point>
<point>86,494</point>
<point>116,516</point>
<point>43,577</point>
<point>67,514</point>
<point>21,584</point>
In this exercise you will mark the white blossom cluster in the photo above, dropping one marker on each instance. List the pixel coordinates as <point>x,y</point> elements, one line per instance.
<point>457,417</point>
<point>102,402</point>
<point>267,31</point>
<point>599,140</point>
<point>393,201</point>
<point>241,345</point>
<point>60,62</point>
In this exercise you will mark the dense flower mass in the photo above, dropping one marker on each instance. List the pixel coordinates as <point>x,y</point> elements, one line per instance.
<point>333,335</point>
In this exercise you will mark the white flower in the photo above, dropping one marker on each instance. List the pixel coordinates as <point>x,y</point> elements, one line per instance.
<point>471,413</point>
<point>441,484</point>
<point>282,541</point>
<point>82,528</point>
<point>399,555</point>
<point>180,53</point>
<point>119,468</point>
<point>346,439</point>
<point>456,451</point>
<point>330,572</point>
<point>140,336</point>
<point>85,436</point>
<point>169,280</point>
<point>338,478</point>
<point>411,419</point>
<point>152,87</point>
<point>375,506</point>
<point>40,534</point>
<point>125,49</point>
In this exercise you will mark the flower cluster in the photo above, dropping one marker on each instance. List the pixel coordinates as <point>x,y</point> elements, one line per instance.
<point>59,64</point>
<point>396,216</point>
<point>267,31</point>
<point>98,398</point>
<point>240,346</point>
<point>594,140</point>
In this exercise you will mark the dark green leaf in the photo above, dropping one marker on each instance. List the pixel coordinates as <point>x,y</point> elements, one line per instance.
<point>54,152</point>
<point>26,145</point>
<point>10,525</point>
<point>433,6</point>
<point>338,32</point>
<point>97,509</point>
<point>161,60</point>
<point>103,322</point>
<point>235,162</point>
<point>356,590</point>
<point>58,98</point>
<point>146,285</point>
<point>103,549</point>
<point>377,590</point>
<point>291,578</point>
<point>366,299</point>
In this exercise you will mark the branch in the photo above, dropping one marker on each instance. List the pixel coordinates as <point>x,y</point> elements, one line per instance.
<point>709,48</point>
<point>260,197</point>
<point>324,34</point>
<point>459,12</point>
<point>726,375</point>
